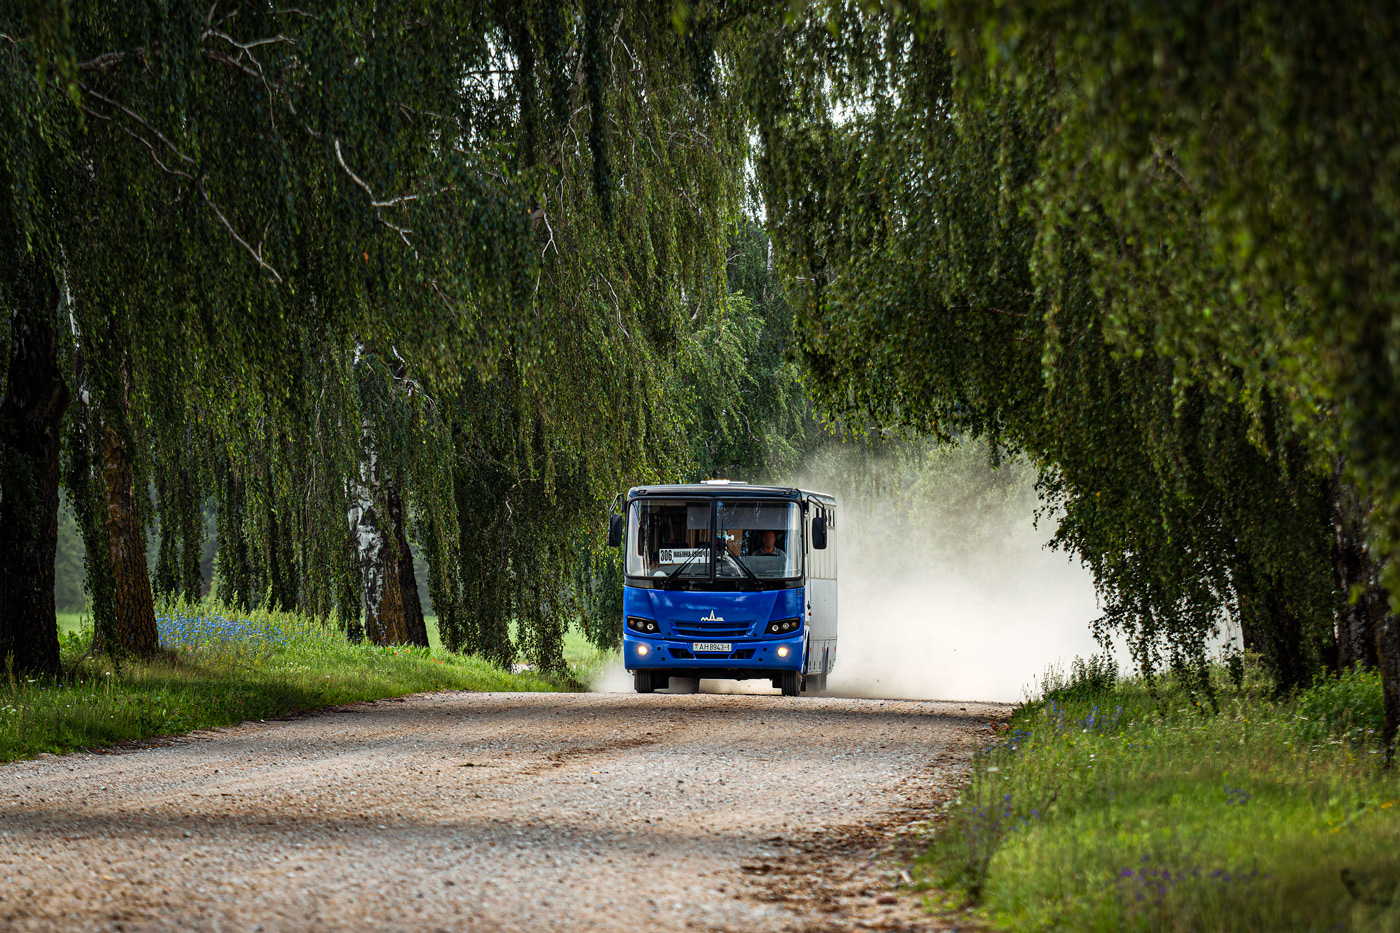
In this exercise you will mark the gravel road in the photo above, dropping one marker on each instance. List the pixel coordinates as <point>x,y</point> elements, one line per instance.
<point>511,812</point>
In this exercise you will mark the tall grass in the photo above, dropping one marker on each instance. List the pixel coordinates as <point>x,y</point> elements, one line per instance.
<point>220,666</point>
<point>1127,805</point>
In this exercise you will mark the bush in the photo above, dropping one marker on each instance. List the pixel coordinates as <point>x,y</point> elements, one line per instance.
<point>1087,680</point>
<point>1347,708</point>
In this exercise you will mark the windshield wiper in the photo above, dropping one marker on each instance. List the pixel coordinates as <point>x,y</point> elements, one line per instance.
<point>742,565</point>
<point>675,573</point>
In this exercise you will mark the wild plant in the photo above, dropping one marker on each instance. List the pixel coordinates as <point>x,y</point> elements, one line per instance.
<point>999,800</point>
<point>1087,679</point>
<point>1341,709</point>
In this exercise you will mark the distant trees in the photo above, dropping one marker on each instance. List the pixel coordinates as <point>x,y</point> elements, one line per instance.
<point>750,417</point>
<point>1152,245</point>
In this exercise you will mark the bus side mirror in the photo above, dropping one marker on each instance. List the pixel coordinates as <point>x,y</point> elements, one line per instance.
<point>615,531</point>
<point>819,533</point>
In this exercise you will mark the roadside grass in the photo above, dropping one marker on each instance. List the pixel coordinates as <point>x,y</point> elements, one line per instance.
<point>585,659</point>
<point>1124,805</point>
<point>219,667</point>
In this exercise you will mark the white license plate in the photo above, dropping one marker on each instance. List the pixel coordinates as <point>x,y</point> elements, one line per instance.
<point>711,646</point>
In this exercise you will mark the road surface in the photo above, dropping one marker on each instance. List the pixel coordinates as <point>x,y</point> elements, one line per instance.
<point>509,812</point>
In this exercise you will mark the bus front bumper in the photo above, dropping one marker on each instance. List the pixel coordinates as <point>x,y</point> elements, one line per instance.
<point>750,657</point>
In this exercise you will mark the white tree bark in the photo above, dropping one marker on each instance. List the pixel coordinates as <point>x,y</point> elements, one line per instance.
<point>379,569</point>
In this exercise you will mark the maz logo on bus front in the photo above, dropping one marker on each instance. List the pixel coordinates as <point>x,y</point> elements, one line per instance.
<point>712,617</point>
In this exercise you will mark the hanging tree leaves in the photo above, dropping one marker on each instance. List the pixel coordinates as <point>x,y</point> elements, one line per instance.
<point>903,174</point>
<point>435,265</point>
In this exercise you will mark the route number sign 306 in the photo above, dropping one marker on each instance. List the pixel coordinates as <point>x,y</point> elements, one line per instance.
<point>679,555</point>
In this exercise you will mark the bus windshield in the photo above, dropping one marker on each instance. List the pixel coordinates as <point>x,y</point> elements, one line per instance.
<point>673,538</point>
<point>669,538</point>
<point>761,539</point>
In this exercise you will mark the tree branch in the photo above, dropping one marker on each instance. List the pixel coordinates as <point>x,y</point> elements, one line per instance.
<point>139,119</point>
<point>201,183</point>
<point>107,61</point>
<point>256,254</point>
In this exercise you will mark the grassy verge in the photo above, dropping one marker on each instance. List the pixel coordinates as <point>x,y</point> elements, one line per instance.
<point>221,668</point>
<point>1119,805</point>
<point>584,658</point>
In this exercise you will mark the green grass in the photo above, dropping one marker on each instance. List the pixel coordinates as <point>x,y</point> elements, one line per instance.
<point>1120,807</point>
<point>71,622</point>
<point>584,658</point>
<point>280,663</point>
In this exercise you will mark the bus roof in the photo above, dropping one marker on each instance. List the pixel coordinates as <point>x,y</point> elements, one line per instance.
<point>730,489</point>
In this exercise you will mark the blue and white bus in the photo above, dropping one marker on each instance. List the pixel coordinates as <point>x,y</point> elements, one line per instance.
<point>727,580</point>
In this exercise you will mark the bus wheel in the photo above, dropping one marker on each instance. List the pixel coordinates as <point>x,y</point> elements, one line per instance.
<point>791,683</point>
<point>643,682</point>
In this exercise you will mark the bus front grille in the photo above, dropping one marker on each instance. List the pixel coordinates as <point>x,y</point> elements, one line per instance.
<point>710,629</point>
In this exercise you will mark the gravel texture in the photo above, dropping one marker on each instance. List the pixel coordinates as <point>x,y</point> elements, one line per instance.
<point>511,812</point>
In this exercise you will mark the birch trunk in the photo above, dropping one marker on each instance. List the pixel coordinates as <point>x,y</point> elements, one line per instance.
<point>379,569</point>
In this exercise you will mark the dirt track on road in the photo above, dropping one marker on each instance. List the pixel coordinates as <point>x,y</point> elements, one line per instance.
<point>469,811</point>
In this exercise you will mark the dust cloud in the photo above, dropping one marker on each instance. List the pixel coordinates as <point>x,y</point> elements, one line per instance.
<point>983,627</point>
<point>613,678</point>
<point>945,587</point>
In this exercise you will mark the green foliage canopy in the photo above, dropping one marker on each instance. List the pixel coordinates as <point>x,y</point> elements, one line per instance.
<point>461,248</point>
<point>916,181</point>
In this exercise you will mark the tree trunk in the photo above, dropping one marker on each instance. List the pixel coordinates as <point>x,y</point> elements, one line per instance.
<point>379,569</point>
<point>235,576</point>
<point>191,524</point>
<point>415,626</point>
<point>1388,660</point>
<point>132,628</point>
<point>31,416</point>
<point>349,588</point>
<point>1363,600</point>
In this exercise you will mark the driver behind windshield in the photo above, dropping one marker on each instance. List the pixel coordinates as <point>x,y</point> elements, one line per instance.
<point>768,545</point>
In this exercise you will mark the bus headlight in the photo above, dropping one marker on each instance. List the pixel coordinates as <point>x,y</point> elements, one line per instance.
<point>782,626</point>
<point>641,651</point>
<point>644,626</point>
<point>782,651</point>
